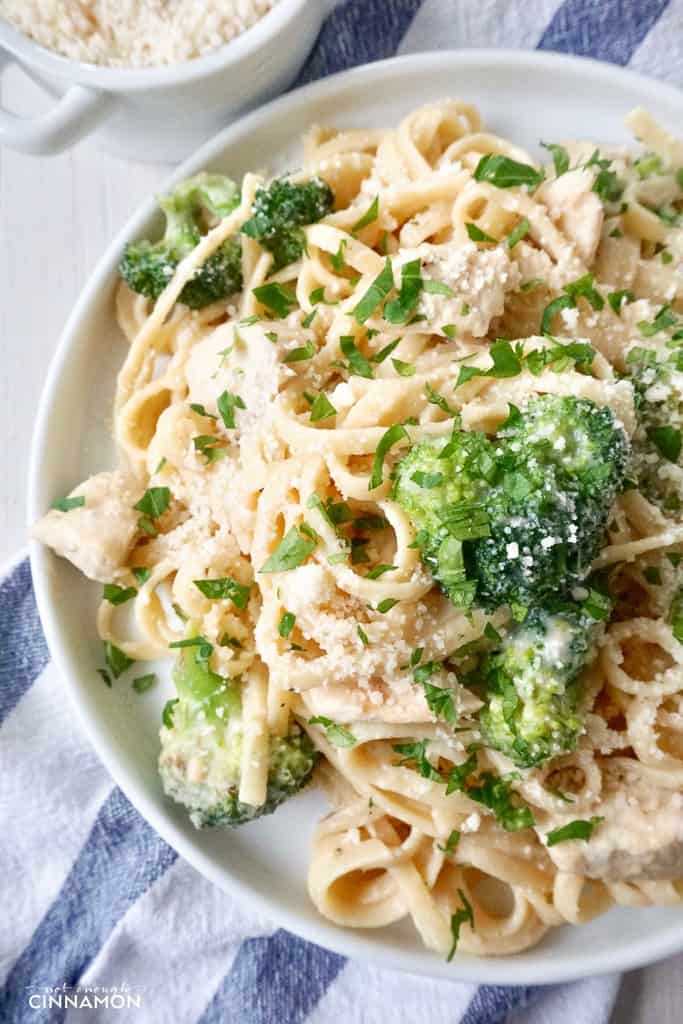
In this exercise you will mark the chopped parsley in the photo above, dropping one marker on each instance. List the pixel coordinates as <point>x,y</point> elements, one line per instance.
<point>201,411</point>
<point>518,233</point>
<point>286,624</point>
<point>476,234</point>
<point>205,647</point>
<point>464,915</point>
<point>507,362</point>
<point>437,288</point>
<point>400,309</point>
<point>144,683</point>
<point>618,298</point>
<point>664,318</point>
<point>358,364</point>
<point>338,735</point>
<point>154,502</point>
<point>560,157</point>
<point>668,442</point>
<point>607,185</point>
<point>223,590</point>
<point>141,573</point>
<point>210,447</point>
<point>416,754</point>
<point>386,604</point>
<point>451,843</point>
<point>497,794</point>
<point>322,408</point>
<point>337,259</point>
<point>403,369</point>
<point>379,570</point>
<point>380,356</point>
<point>227,403</point>
<point>434,398</point>
<point>376,293</point>
<point>117,661</point>
<point>297,355</point>
<point>391,437</point>
<point>582,287</point>
<point>115,594</point>
<point>167,713</point>
<point>370,215</point>
<point>440,701</point>
<point>503,172</point>
<point>67,504</point>
<point>579,829</point>
<point>293,550</point>
<point>276,298</point>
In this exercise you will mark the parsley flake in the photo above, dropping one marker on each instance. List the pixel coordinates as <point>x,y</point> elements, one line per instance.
<point>338,735</point>
<point>292,551</point>
<point>224,589</point>
<point>579,829</point>
<point>391,437</point>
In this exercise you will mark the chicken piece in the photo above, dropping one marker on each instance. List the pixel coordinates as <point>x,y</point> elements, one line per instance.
<point>96,537</point>
<point>479,279</point>
<point>576,209</point>
<point>641,838</point>
<point>242,360</point>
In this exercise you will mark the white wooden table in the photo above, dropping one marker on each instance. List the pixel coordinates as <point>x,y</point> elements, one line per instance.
<point>57,215</point>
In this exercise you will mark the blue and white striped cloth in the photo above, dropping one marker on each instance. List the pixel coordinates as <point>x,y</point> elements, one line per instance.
<point>91,895</point>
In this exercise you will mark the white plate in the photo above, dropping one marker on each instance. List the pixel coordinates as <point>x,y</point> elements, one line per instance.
<point>525,96</point>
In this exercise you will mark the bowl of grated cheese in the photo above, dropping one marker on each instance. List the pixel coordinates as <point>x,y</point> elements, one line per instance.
<point>151,80</point>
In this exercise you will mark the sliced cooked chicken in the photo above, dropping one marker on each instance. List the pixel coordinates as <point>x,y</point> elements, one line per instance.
<point>576,209</point>
<point>98,535</point>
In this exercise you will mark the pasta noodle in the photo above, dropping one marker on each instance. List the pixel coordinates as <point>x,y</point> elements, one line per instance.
<point>387,849</point>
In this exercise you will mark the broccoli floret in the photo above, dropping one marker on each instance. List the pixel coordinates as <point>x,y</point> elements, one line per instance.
<point>564,462</point>
<point>442,486</point>
<point>531,710</point>
<point>281,210</point>
<point>147,267</point>
<point>658,449</point>
<point>201,746</point>
<point>517,521</point>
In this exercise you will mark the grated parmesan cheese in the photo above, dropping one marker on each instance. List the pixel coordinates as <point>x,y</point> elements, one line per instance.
<point>133,33</point>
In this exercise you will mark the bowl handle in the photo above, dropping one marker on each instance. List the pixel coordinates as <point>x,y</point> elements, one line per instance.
<point>77,112</point>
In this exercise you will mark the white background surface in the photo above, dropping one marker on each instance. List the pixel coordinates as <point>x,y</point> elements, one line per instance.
<point>56,217</point>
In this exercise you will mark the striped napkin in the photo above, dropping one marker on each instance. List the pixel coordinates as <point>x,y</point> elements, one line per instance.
<point>92,896</point>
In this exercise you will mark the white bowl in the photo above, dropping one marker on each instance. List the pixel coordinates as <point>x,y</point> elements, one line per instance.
<point>526,96</point>
<point>164,113</point>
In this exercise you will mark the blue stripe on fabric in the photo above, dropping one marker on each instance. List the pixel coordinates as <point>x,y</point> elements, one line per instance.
<point>273,978</point>
<point>605,29</point>
<point>357,32</point>
<point>119,861</point>
<point>492,1003</point>
<point>23,652</point>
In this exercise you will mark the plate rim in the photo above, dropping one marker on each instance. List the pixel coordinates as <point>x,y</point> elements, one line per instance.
<point>346,942</point>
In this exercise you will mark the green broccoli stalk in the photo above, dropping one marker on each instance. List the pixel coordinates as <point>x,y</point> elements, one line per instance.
<point>281,210</point>
<point>658,449</point>
<point>517,521</point>
<point>532,686</point>
<point>147,267</point>
<point>201,746</point>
